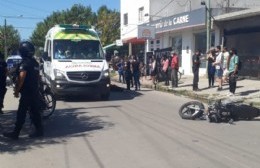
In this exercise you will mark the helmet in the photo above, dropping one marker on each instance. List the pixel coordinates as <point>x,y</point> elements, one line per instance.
<point>26,49</point>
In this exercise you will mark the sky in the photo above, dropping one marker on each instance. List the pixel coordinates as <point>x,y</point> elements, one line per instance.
<point>25,14</point>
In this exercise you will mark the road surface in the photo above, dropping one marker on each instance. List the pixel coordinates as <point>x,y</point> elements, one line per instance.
<point>133,130</point>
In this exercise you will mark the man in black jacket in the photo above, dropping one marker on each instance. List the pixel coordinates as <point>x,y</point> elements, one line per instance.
<point>28,87</point>
<point>3,74</point>
<point>195,69</point>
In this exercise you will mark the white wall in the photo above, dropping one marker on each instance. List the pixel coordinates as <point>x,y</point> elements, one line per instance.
<point>163,8</point>
<point>187,40</point>
<point>168,8</point>
<point>131,7</point>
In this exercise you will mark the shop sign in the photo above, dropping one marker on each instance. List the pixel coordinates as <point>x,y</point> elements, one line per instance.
<point>183,20</point>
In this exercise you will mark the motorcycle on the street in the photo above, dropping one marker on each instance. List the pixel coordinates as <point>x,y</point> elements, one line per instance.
<point>218,111</point>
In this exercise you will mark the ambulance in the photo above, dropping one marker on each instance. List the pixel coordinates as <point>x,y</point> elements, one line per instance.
<point>74,63</point>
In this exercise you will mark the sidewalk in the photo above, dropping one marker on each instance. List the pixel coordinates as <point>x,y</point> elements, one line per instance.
<point>248,91</point>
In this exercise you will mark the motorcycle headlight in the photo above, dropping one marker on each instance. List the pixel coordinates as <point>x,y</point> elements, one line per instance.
<point>59,74</point>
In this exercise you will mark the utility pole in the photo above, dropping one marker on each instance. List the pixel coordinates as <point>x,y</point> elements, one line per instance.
<point>5,39</point>
<point>208,10</point>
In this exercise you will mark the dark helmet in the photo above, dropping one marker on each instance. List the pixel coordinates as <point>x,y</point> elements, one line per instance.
<point>26,49</point>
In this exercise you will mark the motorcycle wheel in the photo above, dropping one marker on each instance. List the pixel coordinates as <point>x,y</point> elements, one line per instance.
<point>191,110</point>
<point>50,103</point>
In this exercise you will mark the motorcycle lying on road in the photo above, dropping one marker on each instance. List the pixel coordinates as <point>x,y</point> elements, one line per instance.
<point>218,111</point>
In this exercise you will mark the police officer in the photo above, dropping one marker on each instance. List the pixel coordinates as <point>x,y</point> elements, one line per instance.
<point>3,74</point>
<point>28,87</point>
<point>195,69</point>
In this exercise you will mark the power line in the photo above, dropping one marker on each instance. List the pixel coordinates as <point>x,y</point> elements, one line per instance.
<point>26,6</point>
<point>21,17</point>
<point>24,27</point>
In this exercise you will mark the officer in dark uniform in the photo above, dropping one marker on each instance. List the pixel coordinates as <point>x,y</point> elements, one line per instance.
<point>195,69</point>
<point>3,74</point>
<point>28,87</point>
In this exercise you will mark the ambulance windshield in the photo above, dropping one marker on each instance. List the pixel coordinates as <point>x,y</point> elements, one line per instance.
<point>77,49</point>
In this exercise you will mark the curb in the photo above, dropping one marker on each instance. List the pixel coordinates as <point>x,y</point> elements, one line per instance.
<point>205,98</point>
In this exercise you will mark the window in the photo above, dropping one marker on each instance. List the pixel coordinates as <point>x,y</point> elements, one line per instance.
<point>82,49</point>
<point>177,46</point>
<point>201,43</point>
<point>126,19</point>
<point>141,14</point>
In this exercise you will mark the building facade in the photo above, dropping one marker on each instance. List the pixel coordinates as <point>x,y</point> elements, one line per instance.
<point>179,26</point>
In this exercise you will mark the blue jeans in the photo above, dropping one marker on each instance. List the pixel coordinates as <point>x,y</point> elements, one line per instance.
<point>136,79</point>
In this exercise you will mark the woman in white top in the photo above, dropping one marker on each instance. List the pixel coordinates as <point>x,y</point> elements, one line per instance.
<point>219,67</point>
<point>225,65</point>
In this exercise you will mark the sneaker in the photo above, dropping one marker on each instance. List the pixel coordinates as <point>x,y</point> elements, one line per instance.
<point>11,135</point>
<point>230,94</point>
<point>36,135</point>
<point>219,89</point>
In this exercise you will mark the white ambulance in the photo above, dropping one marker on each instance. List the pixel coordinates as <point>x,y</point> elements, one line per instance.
<point>74,62</point>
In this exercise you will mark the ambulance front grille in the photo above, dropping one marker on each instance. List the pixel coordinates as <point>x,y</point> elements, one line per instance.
<point>83,76</point>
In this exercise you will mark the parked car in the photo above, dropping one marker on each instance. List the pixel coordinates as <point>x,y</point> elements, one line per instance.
<point>12,61</point>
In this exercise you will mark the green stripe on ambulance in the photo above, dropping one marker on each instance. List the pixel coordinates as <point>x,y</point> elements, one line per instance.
<point>74,36</point>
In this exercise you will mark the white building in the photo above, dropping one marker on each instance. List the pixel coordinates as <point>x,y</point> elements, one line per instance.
<point>179,25</point>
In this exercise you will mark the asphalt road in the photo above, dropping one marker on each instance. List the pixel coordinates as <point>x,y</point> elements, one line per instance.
<point>133,130</point>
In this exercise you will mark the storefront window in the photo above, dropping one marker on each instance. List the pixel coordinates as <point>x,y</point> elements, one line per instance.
<point>201,44</point>
<point>247,45</point>
<point>177,46</point>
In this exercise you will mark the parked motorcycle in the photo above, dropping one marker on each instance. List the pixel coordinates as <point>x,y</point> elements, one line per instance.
<point>218,111</point>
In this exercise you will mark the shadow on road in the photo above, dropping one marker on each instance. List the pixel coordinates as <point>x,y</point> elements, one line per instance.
<point>117,93</point>
<point>245,93</point>
<point>65,123</point>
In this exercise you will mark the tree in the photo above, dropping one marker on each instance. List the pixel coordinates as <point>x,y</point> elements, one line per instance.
<point>12,39</point>
<point>77,14</point>
<point>106,21</point>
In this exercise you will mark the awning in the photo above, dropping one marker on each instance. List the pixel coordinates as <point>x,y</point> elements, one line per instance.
<point>108,46</point>
<point>238,15</point>
<point>134,40</point>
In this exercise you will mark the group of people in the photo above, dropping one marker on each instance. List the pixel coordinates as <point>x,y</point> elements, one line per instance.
<point>27,88</point>
<point>131,70</point>
<point>222,66</point>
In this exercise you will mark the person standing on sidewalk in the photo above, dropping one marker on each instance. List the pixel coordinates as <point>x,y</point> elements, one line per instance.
<point>195,69</point>
<point>211,69</point>
<point>154,70</point>
<point>3,75</point>
<point>233,71</point>
<point>165,66</point>
<point>174,69</point>
<point>219,67</point>
<point>120,67</point>
<point>136,72</point>
<point>28,87</point>
<point>128,75</point>
<point>225,64</point>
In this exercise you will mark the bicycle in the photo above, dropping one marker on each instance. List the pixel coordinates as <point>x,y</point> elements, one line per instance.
<point>47,98</point>
<point>179,75</point>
